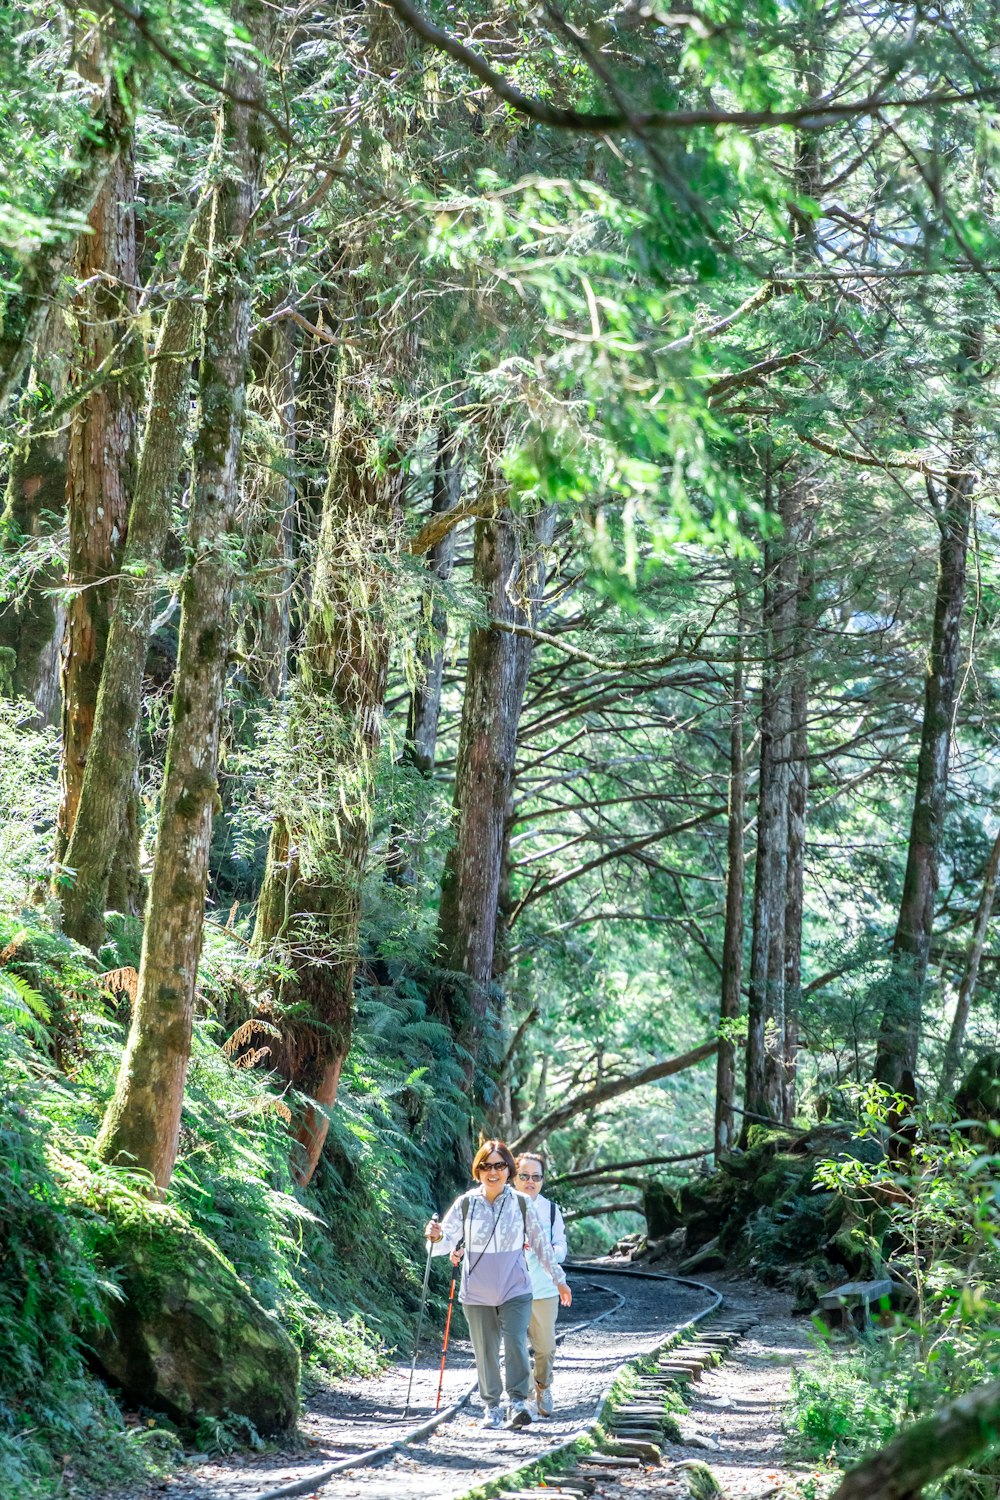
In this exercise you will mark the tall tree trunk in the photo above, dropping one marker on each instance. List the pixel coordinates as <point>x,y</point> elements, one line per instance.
<point>112,763</point>
<point>511,576</point>
<point>425,700</point>
<point>310,904</point>
<point>732,946</point>
<point>977,942</point>
<point>798,793</point>
<point>899,1034</point>
<point>100,473</point>
<point>264,633</point>
<point>797,521</point>
<point>142,1123</point>
<point>32,620</point>
<point>800,610</point>
<point>766,1009</point>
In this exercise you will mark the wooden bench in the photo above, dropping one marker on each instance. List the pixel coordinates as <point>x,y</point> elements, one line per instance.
<point>853,1296</point>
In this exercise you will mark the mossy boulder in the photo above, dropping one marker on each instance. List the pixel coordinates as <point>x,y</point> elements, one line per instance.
<point>663,1214</point>
<point>186,1336</point>
<point>978,1096</point>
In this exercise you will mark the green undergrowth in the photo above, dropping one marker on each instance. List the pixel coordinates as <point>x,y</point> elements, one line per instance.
<point>935,1217</point>
<point>339,1263</point>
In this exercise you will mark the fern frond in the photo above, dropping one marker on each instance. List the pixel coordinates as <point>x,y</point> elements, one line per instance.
<point>121,982</point>
<point>249,1029</point>
<point>22,1007</point>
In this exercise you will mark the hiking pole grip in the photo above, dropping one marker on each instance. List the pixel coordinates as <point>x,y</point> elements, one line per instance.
<point>420,1318</point>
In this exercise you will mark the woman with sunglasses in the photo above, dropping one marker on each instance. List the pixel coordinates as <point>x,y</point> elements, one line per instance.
<point>544,1292</point>
<point>489,1229</point>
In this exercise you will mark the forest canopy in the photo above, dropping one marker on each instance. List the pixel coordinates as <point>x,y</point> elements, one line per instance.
<point>497,577</point>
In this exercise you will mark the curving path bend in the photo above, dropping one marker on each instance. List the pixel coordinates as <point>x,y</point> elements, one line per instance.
<point>633,1316</point>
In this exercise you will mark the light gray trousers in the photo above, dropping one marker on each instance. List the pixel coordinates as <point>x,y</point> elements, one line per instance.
<point>487,1326</point>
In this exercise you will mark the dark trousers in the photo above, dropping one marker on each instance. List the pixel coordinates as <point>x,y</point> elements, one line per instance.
<point>487,1326</point>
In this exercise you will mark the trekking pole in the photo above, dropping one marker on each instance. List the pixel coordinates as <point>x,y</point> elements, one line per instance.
<point>447,1331</point>
<point>420,1318</point>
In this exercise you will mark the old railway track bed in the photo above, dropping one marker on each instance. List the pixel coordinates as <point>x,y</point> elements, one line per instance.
<point>360,1446</point>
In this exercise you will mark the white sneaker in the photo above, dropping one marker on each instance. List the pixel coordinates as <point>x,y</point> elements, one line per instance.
<point>493,1417</point>
<point>520,1414</point>
<point>545,1407</point>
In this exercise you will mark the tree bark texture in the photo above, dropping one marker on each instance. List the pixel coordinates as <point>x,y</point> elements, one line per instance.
<point>977,942</point>
<point>510,574</point>
<point>732,945</point>
<point>112,763</point>
<point>32,620</point>
<point>142,1123</point>
<point>100,473</point>
<point>310,905</point>
<point>899,1034</point>
<point>766,1008</point>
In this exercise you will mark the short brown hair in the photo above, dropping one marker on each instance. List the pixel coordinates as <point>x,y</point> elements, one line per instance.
<point>533,1156</point>
<point>486,1149</point>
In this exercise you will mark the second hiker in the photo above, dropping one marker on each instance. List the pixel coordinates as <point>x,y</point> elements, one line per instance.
<point>544,1292</point>
<point>496,1224</point>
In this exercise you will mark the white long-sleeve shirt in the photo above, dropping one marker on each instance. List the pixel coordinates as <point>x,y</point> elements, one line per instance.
<point>554,1229</point>
<point>494,1267</point>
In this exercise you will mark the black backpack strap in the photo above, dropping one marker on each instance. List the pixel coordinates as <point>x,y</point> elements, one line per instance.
<point>552,1218</point>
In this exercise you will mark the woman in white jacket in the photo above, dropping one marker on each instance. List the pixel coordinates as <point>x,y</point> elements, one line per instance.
<point>495,1226</point>
<point>544,1292</point>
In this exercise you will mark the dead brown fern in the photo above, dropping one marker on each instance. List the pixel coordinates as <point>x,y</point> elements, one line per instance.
<point>12,947</point>
<point>121,982</point>
<point>245,1033</point>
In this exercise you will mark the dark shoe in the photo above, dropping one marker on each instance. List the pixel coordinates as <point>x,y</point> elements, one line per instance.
<point>520,1414</point>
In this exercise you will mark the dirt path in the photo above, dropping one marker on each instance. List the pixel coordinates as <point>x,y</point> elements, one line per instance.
<point>360,1415</point>
<point>736,1423</point>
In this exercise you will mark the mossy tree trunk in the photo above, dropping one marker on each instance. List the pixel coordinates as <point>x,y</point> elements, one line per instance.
<point>32,619</point>
<point>142,1122</point>
<point>509,571</point>
<point>112,763</point>
<point>100,474</point>
<point>309,912</point>
<point>899,1033</point>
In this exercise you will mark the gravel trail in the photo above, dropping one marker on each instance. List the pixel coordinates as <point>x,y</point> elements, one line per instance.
<point>360,1415</point>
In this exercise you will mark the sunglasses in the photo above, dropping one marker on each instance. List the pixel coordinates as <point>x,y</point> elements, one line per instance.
<point>491,1166</point>
<point>529,1176</point>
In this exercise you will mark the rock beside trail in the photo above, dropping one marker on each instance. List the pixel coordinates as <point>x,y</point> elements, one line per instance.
<point>187,1337</point>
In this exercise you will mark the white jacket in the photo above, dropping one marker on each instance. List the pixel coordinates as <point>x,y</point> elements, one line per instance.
<point>554,1229</point>
<point>494,1267</point>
